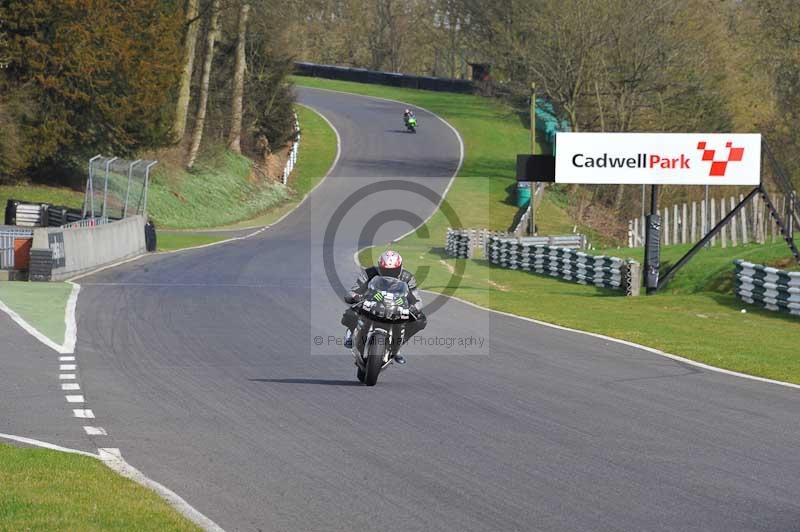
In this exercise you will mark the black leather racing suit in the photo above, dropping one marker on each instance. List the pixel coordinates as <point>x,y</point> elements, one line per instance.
<point>350,317</point>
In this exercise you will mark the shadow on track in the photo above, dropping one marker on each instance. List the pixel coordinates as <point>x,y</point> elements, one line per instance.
<point>311,381</point>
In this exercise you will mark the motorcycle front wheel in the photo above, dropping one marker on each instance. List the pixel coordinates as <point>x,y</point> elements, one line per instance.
<point>375,351</point>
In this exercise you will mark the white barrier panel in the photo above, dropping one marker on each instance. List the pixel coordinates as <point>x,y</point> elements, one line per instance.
<point>658,158</point>
<point>81,249</point>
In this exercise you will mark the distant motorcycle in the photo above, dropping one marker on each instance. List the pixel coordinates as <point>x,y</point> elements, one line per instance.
<point>411,124</point>
<point>383,313</point>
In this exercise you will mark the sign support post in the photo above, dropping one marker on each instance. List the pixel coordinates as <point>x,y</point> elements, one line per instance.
<point>535,184</point>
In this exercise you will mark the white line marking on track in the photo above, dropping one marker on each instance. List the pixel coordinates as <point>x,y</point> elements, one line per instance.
<point>449,183</point>
<point>95,431</point>
<point>45,445</point>
<point>75,399</point>
<point>67,367</point>
<point>629,344</point>
<point>117,463</point>
<point>113,459</point>
<point>83,413</point>
<point>66,376</point>
<point>71,331</point>
<point>70,386</point>
<point>66,359</point>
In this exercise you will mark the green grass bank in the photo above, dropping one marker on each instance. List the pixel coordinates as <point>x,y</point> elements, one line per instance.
<point>45,490</point>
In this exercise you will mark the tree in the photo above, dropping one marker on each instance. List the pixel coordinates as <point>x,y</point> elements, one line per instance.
<point>75,87</point>
<point>235,135</point>
<point>189,51</point>
<point>202,106</point>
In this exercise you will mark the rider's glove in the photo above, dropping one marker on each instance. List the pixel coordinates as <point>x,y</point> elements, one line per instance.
<point>352,298</point>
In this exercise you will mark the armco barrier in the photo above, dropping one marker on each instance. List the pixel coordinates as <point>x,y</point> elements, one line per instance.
<point>773,289</point>
<point>81,249</point>
<point>392,79</point>
<point>565,263</point>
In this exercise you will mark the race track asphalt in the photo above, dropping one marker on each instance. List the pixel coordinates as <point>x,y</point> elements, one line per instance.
<point>204,370</point>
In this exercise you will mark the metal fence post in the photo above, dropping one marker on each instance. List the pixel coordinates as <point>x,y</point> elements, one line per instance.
<point>88,196</point>
<point>128,191</point>
<point>105,187</point>
<point>147,185</point>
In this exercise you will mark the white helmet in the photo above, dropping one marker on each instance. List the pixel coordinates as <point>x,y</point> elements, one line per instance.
<point>390,264</point>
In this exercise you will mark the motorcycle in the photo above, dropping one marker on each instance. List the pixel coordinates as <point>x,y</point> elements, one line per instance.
<point>411,124</point>
<point>382,314</point>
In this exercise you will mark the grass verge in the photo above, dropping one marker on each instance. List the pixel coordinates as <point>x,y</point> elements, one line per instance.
<point>697,316</point>
<point>50,490</point>
<point>317,152</point>
<point>40,304</point>
<point>175,241</point>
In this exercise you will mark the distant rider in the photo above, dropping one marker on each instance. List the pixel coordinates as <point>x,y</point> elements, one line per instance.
<point>407,115</point>
<point>390,264</point>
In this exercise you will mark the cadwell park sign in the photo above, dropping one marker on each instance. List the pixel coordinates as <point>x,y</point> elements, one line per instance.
<point>658,158</point>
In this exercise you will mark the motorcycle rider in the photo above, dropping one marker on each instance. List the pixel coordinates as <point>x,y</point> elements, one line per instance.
<point>407,114</point>
<point>390,264</point>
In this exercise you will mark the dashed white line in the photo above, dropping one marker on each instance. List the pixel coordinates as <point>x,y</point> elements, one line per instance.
<point>66,359</point>
<point>95,431</point>
<point>75,399</point>
<point>66,376</point>
<point>70,386</point>
<point>67,367</point>
<point>83,413</point>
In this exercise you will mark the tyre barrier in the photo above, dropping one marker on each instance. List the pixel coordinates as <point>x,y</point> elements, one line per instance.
<point>461,243</point>
<point>565,263</point>
<point>41,265</point>
<point>766,287</point>
<point>26,214</point>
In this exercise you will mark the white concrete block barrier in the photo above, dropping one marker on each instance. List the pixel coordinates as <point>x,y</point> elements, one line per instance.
<point>76,250</point>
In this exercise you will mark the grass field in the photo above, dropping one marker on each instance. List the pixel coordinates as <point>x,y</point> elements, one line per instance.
<point>45,490</point>
<point>40,304</point>
<point>41,194</point>
<point>696,316</point>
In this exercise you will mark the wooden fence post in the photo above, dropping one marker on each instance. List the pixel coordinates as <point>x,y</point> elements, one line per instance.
<point>675,219</point>
<point>733,223</point>
<point>743,218</point>
<point>684,219</point>
<point>712,217</point>
<point>694,222</point>
<point>665,226</point>
<point>630,234</point>
<point>723,234</point>
<point>773,226</point>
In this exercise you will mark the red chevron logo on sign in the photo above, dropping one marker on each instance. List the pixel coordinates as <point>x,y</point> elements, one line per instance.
<point>720,166</point>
